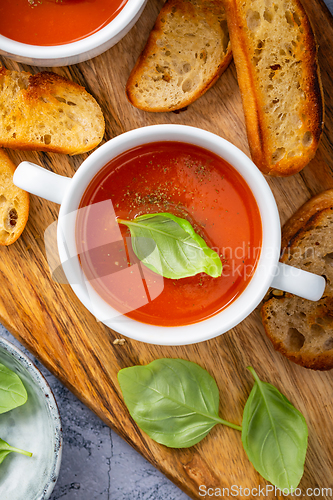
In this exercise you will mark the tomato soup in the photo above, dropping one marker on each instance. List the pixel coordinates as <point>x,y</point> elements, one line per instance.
<point>189,182</point>
<point>55,22</point>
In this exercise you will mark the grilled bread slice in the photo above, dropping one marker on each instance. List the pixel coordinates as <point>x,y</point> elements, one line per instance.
<point>275,54</point>
<point>186,52</point>
<point>47,112</point>
<point>300,329</point>
<point>14,203</point>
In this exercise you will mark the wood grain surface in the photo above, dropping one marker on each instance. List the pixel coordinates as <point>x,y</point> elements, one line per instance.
<point>48,318</point>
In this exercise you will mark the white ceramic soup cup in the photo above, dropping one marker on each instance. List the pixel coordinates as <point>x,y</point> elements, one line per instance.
<point>79,51</point>
<point>269,272</point>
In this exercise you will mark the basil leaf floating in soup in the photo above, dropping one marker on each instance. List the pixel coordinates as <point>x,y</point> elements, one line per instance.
<point>5,449</point>
<point>169,246</point>
<point>12,390</point>
<point>274,435</point>
<point>174,401</point>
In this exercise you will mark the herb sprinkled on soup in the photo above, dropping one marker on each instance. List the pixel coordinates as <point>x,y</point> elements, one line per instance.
<point>192,184</point>
<point>55,22</point>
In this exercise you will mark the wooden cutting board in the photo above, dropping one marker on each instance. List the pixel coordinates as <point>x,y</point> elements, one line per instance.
<point>50,321</point>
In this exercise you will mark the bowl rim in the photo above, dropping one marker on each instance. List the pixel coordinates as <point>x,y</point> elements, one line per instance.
<point>52,405</point>
<point>242,306</point>
<point>79,47</point>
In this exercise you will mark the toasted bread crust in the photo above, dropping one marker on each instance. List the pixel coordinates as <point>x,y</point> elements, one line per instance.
<point>160,42</point>
<point>14,203</point>
<point>265,86</point>
<point>46,112</point>
<point>300,329</point>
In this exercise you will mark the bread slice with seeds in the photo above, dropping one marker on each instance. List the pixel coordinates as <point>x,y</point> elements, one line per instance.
<point>14,203</point>
<point>47,112</point>
<point>275,54</point>
<point>186,52</point>
<point>300,329</point>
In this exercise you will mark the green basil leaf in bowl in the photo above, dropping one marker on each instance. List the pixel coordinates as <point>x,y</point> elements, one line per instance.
<point>6,448</point>
<point>274,435</point>
<point>169,246</point>
<point>173,400</point>
<point>12,390</point>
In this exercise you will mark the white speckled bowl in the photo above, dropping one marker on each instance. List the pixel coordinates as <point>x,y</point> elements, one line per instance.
<point>35,427</point>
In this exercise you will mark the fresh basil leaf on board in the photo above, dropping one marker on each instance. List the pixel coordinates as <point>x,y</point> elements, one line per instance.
<point>169,246</point>
<point>173,400</point>
<point>5,449</point>
<point>12,390</point>
<point>274,435</point>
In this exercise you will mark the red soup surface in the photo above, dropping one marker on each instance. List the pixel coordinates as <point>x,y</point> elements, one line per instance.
<point>55,22</point>
<point>189,182</point>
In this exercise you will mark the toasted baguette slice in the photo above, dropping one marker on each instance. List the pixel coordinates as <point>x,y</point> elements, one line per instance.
<point>47,112</point>
<point>186,52</point>
<point>300,329</point>
<point>275,54</point>
<point>14,203</point>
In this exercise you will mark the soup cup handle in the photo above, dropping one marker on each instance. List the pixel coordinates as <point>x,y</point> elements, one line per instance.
<point>41,182</point>
<point>302,283</point>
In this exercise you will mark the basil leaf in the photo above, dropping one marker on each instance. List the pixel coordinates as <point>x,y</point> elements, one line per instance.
<point>174,401</point>
<point>12,390</point>
<point>274,435</point>
<point>5,449</point>
<point>169,246</point>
